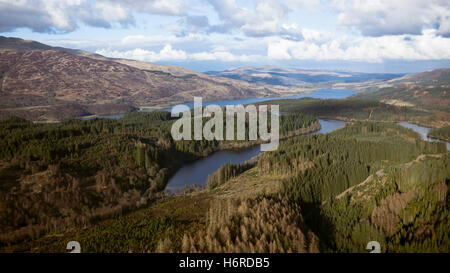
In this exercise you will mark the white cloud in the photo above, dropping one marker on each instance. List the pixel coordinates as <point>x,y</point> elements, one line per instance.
<point>152,40</point>
<point>245,31</point>
<point>59,15</point>
<point>169,54</point>
<point>318,36</point>
<point>317,45</point>
<point>387,17</point>
<point>303,4</point>
<point>280,50</point>
<point>66,15</point>
<point>172,7</point>
<point>266,19</point>
<point>428,46</point>
<point>223,56</point>
<point>257,18</point>
<point>129,42</point>
<point>113,12</point>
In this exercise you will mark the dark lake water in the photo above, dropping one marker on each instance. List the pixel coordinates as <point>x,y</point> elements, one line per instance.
<point>197,172</point>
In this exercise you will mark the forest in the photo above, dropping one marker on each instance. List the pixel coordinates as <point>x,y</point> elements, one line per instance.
<point>441,133</point>
<point>368,181</point>
<point>335,192</point>
<point>360,107</point>
<point>54,176</point>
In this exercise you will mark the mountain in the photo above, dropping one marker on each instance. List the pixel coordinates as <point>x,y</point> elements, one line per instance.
<point>11,43</point>
<point>429,90</point>
<point>45,83</point>
<point>298,77</point>
<point>433,77</point>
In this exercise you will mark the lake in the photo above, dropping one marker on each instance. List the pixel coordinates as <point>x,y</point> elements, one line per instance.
<point>197,172</point>
<point>318,94</point>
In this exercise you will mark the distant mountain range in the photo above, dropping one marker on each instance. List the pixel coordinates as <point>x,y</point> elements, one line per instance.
<point>47,83</point>
<point>44,83</point>
<point>298,77</point>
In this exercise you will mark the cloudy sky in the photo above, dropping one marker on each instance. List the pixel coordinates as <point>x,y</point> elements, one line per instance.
<point>367,36</point>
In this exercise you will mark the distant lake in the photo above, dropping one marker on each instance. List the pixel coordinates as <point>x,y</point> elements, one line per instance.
<point>198,171</point>
<point>318,94</point>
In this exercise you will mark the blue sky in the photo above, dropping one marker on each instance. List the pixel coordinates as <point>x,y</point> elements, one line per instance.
<point>367,36</point>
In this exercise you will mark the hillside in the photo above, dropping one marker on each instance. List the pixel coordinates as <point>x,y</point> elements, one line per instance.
<point>433,77</point>
<point>328,193</point>
<point>299,77</point>
<point>11,43</point>
<point>366,181</point>
<point>37,81</point>
<point>428,97</point>
<point>428,91</point>
<point>62,77</point>
<point>436,77</point>
<point>441,133</point>
<point>81,171</point>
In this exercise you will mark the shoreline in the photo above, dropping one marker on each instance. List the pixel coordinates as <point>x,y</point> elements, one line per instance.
<point>437,137</point>
<point>315,127</point>
<point>163,106</point>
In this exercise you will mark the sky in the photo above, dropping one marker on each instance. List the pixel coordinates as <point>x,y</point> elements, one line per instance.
<point>385,36</point>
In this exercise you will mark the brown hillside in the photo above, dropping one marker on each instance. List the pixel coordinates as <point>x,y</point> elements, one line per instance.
<point>36,79</point>
<point>439,76</point>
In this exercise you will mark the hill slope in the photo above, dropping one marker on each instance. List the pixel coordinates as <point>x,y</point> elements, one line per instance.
<point>427,90</point>
<point>299,77</point>
<point>328,193</point>
<point>36,79</point>
<point>433,77</point>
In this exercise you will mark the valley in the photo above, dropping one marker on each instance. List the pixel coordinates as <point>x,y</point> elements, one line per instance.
<point>86,154</point>
<point>43,83</point>
<point>367,175</point>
